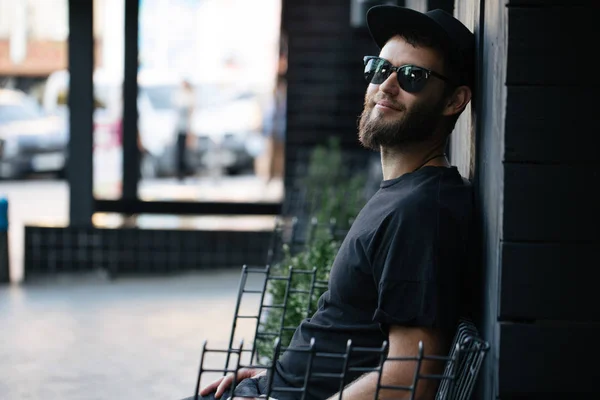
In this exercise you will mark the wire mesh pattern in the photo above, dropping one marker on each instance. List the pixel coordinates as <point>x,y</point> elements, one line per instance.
<point>456,382</point>
<point>471,350</point>
<point>310,294</point>
<point>462,366</point>
<point>411,389</point>
<point>301,391</point>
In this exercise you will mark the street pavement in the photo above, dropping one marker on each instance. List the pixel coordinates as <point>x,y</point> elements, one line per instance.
<point>88,338</point>
<point>84,337</point>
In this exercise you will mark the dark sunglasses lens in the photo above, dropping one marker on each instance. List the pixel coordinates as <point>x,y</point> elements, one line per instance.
<point>377,70</point>
<point>412,79</point>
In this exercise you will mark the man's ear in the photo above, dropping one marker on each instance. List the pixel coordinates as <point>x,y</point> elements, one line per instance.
<point>458,101</point>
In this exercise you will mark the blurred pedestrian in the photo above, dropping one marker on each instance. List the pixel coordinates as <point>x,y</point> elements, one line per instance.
<point>271,165</point>
<point>184,102</point>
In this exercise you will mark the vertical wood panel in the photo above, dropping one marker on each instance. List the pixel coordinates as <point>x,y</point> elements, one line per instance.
<point>462,140</point>
<point>489,177</point>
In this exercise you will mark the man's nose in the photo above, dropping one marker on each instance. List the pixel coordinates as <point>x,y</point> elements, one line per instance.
<point>390,85</point>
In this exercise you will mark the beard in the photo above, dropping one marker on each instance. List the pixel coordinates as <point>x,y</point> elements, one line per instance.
<point>416,125</point>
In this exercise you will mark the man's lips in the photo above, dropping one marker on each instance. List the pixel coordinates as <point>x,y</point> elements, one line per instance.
<point>387,105</point>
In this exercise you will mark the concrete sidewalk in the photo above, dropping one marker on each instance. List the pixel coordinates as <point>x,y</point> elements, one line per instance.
<point>86,338</point>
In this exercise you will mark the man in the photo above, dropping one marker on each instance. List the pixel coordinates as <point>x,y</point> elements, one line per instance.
<point>397,274</point>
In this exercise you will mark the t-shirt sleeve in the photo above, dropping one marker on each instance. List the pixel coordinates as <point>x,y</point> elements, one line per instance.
<point>412,269</point>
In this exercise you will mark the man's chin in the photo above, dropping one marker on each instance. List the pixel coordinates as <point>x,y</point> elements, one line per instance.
<point>368,142</point>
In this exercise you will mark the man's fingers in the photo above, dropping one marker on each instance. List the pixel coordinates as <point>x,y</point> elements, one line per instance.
<point>224,384</point>
<point>211,387</point>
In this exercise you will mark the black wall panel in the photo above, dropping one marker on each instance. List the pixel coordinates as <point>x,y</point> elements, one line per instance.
<point>545,42</point>
<point>551,202</point>
<point>549,361</point>
<point>551,124</point>
<point>324,71</point>
<point>549,281</point>
<point>547,315</point>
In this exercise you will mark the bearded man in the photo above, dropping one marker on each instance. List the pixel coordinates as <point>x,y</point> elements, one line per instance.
<point>397,276</point>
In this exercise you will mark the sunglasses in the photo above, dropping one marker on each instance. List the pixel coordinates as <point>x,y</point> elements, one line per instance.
<point>412,79</point>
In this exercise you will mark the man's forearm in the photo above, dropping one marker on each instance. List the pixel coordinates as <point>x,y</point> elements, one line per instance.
<point>362,388</point>
<point>394,374</point>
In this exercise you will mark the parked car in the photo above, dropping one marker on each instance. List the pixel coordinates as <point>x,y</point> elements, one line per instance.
<point>30,140</point>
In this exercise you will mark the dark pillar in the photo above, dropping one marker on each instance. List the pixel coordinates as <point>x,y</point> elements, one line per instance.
<point>131,153</point>
<point>81,106</point>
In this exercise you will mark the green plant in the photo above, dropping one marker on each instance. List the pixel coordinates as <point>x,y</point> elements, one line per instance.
<point>333,199</point>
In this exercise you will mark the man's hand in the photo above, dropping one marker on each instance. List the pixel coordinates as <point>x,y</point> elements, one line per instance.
<point>222,384</point>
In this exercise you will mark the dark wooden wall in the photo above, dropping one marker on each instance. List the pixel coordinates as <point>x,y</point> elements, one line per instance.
<point>536,176</point>
<point>325,81</point>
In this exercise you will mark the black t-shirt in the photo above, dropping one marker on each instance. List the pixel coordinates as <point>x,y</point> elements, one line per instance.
<point>400,264</point>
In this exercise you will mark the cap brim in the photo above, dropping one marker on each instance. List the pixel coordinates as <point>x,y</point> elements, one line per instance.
<point>386,21</point>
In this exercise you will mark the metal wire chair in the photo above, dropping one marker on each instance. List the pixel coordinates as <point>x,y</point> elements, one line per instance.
<point>457,381</point>
<point>462,365</point>
<point>289,232</point>
<point>471,350</point>
<point>265,305</point>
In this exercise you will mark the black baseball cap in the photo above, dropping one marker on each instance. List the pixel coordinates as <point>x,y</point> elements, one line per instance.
<point>386,21</point>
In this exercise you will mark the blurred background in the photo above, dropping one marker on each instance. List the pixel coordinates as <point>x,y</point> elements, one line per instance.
<point>209,73</point>
<point>234,75</point>
<point>207,84</point>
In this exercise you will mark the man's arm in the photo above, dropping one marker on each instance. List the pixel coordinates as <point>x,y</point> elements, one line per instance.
<point>403,342</point>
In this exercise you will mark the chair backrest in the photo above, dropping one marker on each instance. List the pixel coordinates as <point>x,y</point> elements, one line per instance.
<point>468,351</point>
